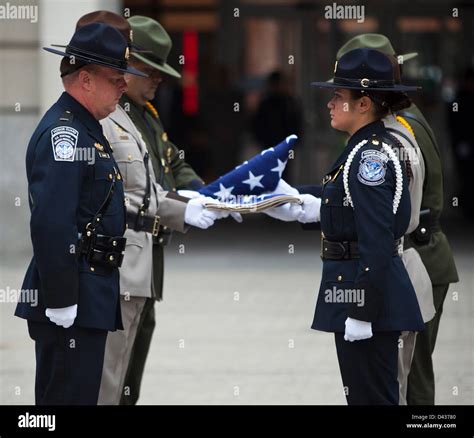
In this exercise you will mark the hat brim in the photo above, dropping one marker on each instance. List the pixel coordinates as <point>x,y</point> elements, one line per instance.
<point>396,87</point>
<point>409,56</point>
<point>133,48</point>
<point>129,69</point>
<point>165,68</point>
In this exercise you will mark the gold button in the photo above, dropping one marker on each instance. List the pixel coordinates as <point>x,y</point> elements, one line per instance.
<point>339,278</point>
<point>160,240</point>
<point>326,200</point>
<point>325,249</point>
<point>165,227</point>
<point>119,177</point>
<point>164,136</point>
<point>367,269</point>
<point>142,213</point>
<point>88,234</point>
<point>130,158</point>
<point>92,268</point>
<point>114,243</point>
<point>111,258</point>
<point>110,176</point>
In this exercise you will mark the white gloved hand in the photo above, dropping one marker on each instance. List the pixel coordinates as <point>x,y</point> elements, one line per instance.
<point>287,212</point>
<point>63,316</point>
<point>283,188</point>
<point>357,330</point>
<point>198,216</point>
<point>191,194</point>
<point>311,209</point>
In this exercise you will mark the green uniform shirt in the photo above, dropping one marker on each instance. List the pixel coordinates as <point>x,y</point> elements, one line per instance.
<point>436,254</point>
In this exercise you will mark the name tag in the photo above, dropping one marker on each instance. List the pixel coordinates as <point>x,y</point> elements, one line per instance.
<point>104,155</point>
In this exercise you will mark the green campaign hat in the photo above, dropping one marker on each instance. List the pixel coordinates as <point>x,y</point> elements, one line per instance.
<point>150,36</point>
<point>375,41</point>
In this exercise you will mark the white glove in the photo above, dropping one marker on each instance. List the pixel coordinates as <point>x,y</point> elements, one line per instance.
<point>283,188</point>
<point>286,212</point>
<point>191,194</point>
<point>357,330</point>
<point>64,316</point>
<point>198,216</point>
<point>311,209</point>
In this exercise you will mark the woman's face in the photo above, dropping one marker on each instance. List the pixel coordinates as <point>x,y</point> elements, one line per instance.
<point>342,110</point>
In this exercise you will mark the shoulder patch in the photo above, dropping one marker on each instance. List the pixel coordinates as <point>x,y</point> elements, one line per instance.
<point>372,167</point>
<point>64,142</point>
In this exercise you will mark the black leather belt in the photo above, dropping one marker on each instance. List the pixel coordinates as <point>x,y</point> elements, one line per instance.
<point>346,250</point>
<point>149,224</point>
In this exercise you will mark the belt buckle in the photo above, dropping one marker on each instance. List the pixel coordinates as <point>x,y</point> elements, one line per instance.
<point>156,226</point>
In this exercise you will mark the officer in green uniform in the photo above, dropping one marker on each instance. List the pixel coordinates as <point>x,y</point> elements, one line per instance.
<point>428,239</point>
<point>171,171</point>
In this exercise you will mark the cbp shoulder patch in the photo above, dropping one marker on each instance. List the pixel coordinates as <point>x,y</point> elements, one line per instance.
<point>372,168</point>
<point>64,142</point>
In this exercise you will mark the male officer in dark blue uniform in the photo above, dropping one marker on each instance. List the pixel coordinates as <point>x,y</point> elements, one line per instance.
<point>77,221</point>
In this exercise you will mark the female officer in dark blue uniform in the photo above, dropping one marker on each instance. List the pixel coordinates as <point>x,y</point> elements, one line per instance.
<point>366,297</point>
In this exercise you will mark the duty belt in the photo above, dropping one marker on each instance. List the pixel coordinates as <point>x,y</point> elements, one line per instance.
<point>346,250</point>
<point>102,250</point>
<point>164,236</point>
<point>140,222</point>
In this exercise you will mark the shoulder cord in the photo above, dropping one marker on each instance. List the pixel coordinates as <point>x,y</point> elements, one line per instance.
<point>398,173</point>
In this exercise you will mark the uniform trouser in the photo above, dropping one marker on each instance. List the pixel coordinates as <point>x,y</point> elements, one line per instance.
<point>118,349</point>
<point>139,354</point>
<point>68,363</point>
<point>405,357</point>
<point>369,368</point>
<point>421,384</point>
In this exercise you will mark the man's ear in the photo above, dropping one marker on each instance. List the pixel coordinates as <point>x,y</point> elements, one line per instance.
<point>85,79</point>
<point>364,104</point>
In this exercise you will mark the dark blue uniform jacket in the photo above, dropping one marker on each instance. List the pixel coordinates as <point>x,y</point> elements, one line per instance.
<point>376,286</point>
<point>69,166</point>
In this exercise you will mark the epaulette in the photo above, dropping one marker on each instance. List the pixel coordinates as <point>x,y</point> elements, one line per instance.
<point>67,116</point>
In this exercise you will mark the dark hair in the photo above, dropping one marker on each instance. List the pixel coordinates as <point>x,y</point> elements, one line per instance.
<point>68,67</point>
<point>384,101</point>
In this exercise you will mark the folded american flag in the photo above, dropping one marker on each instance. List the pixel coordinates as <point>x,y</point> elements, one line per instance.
<point>258,175</point>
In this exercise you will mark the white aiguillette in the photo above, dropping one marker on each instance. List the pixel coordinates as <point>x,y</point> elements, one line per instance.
<point>252,203</point>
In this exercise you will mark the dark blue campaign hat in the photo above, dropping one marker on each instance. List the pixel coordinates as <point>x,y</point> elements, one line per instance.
<point>100,44</point>
<point>365,69</point>
<point>258,175</point>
